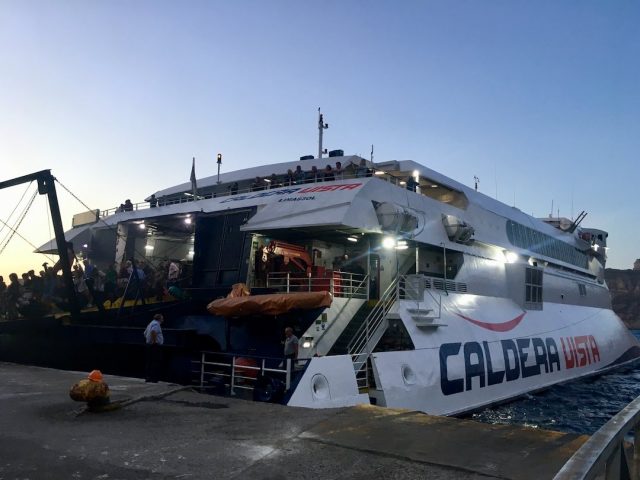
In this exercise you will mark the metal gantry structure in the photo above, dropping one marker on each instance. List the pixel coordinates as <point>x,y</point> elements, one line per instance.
<point>46,186</point>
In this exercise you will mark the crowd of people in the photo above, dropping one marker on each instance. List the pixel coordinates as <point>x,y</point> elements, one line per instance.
<point>33,295</point>
<point>300,177</point>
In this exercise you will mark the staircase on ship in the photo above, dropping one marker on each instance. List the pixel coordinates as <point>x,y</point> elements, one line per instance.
<point>365,330</point>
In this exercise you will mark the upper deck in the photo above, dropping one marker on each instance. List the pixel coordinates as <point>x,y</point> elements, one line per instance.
<point>349,199</point>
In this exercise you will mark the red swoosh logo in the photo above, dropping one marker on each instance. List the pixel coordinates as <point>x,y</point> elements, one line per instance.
<point>496,327</point>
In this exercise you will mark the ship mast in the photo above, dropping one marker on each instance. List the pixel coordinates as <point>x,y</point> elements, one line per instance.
<point>321,127</point>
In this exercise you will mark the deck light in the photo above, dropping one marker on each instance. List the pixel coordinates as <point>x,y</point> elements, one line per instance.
<point>416,175</point>
<point>379,172</point>
<point>142,226</point>
<point>187,220</point>
<point>388,242</point>
<point>510,257</point>
<point>148,247</point>
<point>401,245</point>
<point>402,182</point>
<point>352,239</point>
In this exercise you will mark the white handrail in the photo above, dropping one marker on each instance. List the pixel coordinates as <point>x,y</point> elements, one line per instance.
<point>604,451</point>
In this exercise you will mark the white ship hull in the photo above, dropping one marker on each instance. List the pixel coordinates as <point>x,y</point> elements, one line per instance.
<point>483,302</point>
<point>462,366</point>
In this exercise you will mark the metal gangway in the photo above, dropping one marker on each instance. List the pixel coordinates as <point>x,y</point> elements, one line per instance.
<point>608,453</point>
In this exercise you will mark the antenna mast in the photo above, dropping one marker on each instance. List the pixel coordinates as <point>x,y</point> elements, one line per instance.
<point>321,127</point>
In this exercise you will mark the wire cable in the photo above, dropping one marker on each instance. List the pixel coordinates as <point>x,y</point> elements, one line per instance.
<point>14,209</point>
<point>110,227</point>
<point>14,231</point>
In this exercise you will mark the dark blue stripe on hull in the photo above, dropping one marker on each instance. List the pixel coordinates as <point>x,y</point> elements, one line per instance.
<point>631,354</point>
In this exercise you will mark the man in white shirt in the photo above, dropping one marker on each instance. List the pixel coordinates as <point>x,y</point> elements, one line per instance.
<point>154,340</point>
<point>174,273</point>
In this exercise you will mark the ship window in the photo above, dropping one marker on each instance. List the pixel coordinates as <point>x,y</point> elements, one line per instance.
<point>582,288</point>
<point>530,239</point>
<point>533,289</point>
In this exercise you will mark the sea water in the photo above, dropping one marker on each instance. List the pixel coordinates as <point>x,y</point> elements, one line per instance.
<point>581,406</point>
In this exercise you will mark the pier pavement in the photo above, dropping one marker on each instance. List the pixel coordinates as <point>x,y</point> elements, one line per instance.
<point>189,435</point>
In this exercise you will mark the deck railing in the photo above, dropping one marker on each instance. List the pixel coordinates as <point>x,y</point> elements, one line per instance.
<point>188,197</point>
<point>339,284</point>
<point>604,453</point>
<point>241,372</point>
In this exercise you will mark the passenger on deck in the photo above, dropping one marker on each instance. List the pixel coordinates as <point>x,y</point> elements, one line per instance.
<point>70,254</point>
<point>128,206</point>
<point>234,188</point>
<point>98,277</point>
<point>289,179</point>
<point>14,291</point>
<point>339,172</point>
<point>257,185</point>
<point>328,174</point>
<point>313,176</point>
<point>299,176</point>
<point>111,282</point>
<point>411,184</point>
<point>153,201</point>
<point>173,274</point>
<point>274,181</point>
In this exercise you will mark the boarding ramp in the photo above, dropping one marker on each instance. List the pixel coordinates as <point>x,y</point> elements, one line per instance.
<point>608,454</point>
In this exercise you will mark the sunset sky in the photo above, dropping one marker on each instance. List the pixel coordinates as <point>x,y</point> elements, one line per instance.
<point>540,100</point>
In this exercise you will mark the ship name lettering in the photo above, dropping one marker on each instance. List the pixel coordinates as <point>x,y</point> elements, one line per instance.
<point>579,351</point>
<point>521,358</point>
<point>330,188</point>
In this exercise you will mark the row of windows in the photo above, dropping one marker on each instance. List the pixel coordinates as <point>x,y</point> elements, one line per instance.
<point>543,244</point>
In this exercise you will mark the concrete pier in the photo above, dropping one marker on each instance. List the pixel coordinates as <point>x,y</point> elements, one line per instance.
<point>195,436</point>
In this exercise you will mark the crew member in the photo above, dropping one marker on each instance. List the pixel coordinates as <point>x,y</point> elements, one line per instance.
<point>290,344</point>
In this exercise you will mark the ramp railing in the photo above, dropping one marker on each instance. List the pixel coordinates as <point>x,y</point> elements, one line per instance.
<point>605,454</point>
<point>237,372</point>
<point>371,331</point>
<point>339,284</point>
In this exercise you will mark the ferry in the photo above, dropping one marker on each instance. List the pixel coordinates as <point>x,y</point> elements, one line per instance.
<point>406,288</point>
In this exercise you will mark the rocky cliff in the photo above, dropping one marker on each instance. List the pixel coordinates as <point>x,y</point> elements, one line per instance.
<point>625,294</point>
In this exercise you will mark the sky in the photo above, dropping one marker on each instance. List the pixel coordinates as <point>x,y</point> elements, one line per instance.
<point>539,100</point>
